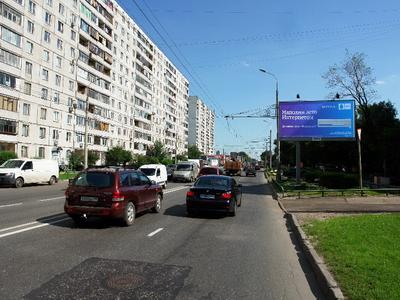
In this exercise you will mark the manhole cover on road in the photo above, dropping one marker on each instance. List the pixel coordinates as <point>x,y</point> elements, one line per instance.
<point>97,278</point>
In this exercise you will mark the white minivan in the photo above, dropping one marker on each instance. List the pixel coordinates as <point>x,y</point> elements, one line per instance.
<point>156,172</point>
<point>18,172</point>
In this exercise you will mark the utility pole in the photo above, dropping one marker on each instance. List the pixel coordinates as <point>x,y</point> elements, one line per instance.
<point>359,158</point>
<point>86,129</point>
<point>270,149</point>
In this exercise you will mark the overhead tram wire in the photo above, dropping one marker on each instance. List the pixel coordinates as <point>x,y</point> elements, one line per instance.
<point>184,58</point>
<point>170,48</point>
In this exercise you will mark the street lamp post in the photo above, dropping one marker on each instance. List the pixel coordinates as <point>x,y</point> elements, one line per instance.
<point>278,175</point>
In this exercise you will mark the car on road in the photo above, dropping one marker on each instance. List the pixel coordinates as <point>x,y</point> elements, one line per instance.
<point>250,170</point>
<point>217,193</point>
<point>18,172</point>
<point>186,171</point>
<point>170,171</point>
<point>111,192</point>
<point>156,172</point>
<point>210,171</point>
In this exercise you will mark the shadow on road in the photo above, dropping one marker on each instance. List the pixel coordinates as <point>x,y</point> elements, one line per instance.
<point>305,266</point>
<point>258,189</point>
<point>180,211</point>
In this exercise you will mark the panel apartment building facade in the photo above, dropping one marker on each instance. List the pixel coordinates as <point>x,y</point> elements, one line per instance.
<point>201,126</point>
<point>63,60</point>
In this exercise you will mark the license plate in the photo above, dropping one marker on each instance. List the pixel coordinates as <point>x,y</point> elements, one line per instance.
<point>89,199</point>
<point>206,196</point>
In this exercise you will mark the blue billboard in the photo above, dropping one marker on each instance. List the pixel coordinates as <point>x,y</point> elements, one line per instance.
<point>317,120</point>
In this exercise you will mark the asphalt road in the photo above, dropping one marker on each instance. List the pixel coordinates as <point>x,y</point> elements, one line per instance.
<point>43,255</point>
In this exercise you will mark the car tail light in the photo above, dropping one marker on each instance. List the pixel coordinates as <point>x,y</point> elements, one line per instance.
<point>227,195</point>
<point>116,197</point>
<point>190,194</point>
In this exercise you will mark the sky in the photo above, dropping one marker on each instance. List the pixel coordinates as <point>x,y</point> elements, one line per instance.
<point>221,45</point>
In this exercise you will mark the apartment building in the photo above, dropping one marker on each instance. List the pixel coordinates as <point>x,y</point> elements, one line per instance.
<point>201,126</point>
<point>66,64</point>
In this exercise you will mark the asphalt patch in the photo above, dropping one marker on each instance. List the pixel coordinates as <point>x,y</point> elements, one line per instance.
<point>98,278</point>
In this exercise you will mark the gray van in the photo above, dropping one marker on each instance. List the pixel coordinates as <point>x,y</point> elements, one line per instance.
<point>186,171</point>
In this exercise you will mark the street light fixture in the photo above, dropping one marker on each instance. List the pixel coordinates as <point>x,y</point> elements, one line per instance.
<point>278,176</point>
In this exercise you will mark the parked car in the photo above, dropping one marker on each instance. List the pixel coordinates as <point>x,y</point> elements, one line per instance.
<point>210,171</point>
<point>18,172</point>
<point>156,172</point>
<point>214,193</point>
<point>111,192</point>
<point>185,171</point>
<point>250,170</point>
<point>170,171</point>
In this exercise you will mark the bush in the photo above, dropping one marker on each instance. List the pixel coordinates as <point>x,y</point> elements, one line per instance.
<point>334,180</point>
<point>6,155</point>
<point>118,156</point>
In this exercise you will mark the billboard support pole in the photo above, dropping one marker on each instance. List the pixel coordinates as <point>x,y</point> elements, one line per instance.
<point>359,157</point>
<point>298,159</point>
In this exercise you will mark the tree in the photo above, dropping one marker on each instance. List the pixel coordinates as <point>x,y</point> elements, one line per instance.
<point>6,155</point>
<point>157,151</point>
<point>352,78</point>
<point>118,156</point>
<point>77,158</point>
<point>194,152</point>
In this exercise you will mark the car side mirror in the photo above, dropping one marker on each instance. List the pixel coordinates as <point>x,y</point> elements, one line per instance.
<point>153,182</point>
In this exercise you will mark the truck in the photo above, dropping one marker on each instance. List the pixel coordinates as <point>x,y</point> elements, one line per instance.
<point>232,167</point>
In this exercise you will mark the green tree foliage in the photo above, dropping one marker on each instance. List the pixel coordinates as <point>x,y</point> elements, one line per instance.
<point>77,158</point>
<point>118,156</point>
<point>6,155</point>
<point>194,152</point>
<point>157,151</point>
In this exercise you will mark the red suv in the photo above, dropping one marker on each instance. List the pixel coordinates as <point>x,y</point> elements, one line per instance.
<point>108,192</point>
<point>210,171</point>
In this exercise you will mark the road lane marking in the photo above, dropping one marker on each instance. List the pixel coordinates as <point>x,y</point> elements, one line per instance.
<point>175,189</point>
<point>51,199</point>
<point>33,227</point>
<point>18,226</point>
<point>10,205</point>
<point>152,233</point>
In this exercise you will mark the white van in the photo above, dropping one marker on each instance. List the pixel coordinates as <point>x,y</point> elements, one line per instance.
<point>186,171</point>
<point>18,172</point>
<point>156,172</point>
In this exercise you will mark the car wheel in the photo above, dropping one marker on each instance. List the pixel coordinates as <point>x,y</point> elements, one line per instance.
<point>233,212</point>
<point>158,206</point>
<point>129,214</point>
<point>19,182</point>
<point>240,202</point>
<point>164,185</point>
<point>52,180</point>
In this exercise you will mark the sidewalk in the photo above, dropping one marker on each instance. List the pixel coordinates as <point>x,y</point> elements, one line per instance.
<point>340,204</point>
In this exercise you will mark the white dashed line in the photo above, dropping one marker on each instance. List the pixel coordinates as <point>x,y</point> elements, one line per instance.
<point>10,205</point>
<point>51,199</point>
<point>155,232</point>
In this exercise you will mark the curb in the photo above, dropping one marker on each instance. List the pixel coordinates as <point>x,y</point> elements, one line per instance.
<point>324,278</point>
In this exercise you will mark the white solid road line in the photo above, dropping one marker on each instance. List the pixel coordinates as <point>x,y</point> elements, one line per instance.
<point>152,233</point>
<point>51,199</point>
<point>32,227</point>
<point>10,205</point>
<point>175,189</point>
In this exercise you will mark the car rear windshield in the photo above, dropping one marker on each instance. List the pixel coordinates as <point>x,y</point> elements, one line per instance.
<point>209,171</point>
<point>184,167</point>
<point>94,179</point>
<point>148,171</point>
<point>11,164</point>
<point>212,181</point>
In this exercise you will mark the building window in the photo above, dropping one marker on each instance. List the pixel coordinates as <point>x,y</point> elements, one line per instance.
<point>27,88</point>
<point>58,80</point>
<point>68,137</point>
<point>7,80</point>
<point>10,14</point>
<point>45,74</point>
<point>43,113</point>
<point>56,98</point>
<point>28,68</point>
<point>70,101</point>
<point>31,27</point>
<point>60,26</point>
<point>10,58</point>
<point>61,9</point>
<point>45,93</point>
<point>9,104</point>
<point>25,130</point>
<point>46,55</point>
<point>56,116</point>
<point>29,47</point>
<point>10,36</point>
<point>73,35</point>
<point>24,151</point>
<point>69,119</point>
<point>56,134</point>
<point>46,36</point>
<point>59,44</point>
<point>58,62</point>
<point>49,2</point>
<point>32,7</point>
<point>71,85</point>
<point>41,153</point>
<point>42,132</point>
<point>72,52</point>
<point>26,109</point>
<point>47,18</point>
